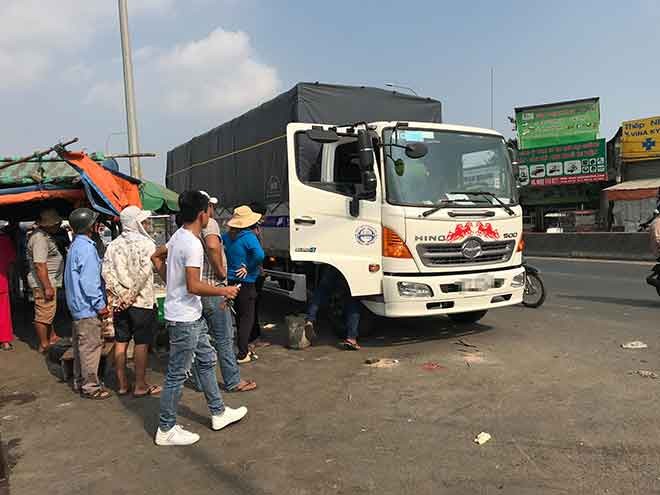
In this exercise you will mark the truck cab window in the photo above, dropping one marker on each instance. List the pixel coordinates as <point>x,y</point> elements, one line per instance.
<point>332,167</point>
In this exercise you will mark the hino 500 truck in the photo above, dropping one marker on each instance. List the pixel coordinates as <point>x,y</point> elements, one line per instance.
<point>419,217</point>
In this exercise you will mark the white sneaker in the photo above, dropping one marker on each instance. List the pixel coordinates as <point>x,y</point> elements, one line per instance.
<point>176,436</point>
<point>229,416</point>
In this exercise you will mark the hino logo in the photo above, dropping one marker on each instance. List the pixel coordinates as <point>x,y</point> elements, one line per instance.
<point>471,248</point>
<point>430,238</point>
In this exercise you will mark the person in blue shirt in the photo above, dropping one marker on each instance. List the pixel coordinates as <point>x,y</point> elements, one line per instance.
<point>85,296</point>
<point>244,258</point>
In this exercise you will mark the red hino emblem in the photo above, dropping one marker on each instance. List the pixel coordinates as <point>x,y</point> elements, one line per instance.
<point>460,232</point>
<point>487,231</point>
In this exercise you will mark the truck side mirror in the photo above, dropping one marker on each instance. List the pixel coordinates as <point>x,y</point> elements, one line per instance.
<point>516,170</point>
<point>416,150</point>
<point>365,150</point>
<point>364,191</point>
<point>369,184</point>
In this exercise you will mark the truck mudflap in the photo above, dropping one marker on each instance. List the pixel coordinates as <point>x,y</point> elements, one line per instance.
<point>412,296</point>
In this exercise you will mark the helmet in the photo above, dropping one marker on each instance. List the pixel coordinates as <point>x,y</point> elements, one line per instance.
<point>82,219</point>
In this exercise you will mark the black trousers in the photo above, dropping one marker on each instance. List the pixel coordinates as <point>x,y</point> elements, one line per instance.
<point>256,328</point>
<point>245,306</point>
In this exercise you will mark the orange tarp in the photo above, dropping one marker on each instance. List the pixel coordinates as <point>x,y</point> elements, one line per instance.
<point>119,191</point>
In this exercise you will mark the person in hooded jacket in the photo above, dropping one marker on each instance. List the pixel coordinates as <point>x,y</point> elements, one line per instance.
<point>129,281</point>
<point>244,259</point>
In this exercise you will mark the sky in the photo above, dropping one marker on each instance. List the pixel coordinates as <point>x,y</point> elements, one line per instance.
<point>199,63</point>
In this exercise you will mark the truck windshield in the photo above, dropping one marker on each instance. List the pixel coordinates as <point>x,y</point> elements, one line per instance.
<point>455,162</point>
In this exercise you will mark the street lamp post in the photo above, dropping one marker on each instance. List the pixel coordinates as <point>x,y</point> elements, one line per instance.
<point>390,85</point>
<point>129,90</point>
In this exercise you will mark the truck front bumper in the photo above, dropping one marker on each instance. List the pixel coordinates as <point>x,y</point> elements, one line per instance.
<point>449,295</point>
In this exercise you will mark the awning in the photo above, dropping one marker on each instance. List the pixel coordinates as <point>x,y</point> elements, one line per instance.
<point>632,190</point>
<point>158,198</point>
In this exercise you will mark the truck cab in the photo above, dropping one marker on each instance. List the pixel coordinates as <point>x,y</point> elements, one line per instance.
<point>429,224</point>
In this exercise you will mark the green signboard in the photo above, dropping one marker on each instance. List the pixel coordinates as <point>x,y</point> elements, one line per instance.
<point>558,123</point>
<point>568,164</point>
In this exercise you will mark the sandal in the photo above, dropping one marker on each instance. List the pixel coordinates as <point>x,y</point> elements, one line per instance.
<point>244,386</point>
<point>7,346</point>
<point>350,346</point>
<point>153,391</point>
<point>100,394</point>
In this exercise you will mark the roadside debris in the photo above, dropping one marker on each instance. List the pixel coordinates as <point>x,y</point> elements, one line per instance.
<point>473,357</point>
<point>432,366</point>
<point>482,438</point>
<point>644,373</point>
<point>635,344</point>
<point>382,362</point>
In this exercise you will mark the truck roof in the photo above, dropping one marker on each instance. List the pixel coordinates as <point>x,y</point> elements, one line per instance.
<point>441,127</point>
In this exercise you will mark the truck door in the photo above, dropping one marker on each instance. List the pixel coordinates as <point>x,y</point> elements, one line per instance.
<point>322,182</point>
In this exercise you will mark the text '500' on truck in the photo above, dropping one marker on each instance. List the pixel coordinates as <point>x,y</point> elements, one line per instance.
<point>419,218</point>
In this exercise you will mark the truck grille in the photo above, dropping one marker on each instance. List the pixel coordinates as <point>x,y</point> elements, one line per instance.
<point>453,254</point>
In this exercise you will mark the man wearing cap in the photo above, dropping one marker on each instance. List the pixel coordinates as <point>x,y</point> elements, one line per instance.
<point>129,282</point>
<point>216,312</point>
<point>46,264</point>
<point>85,296</point>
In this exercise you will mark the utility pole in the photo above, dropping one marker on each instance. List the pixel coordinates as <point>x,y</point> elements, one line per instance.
<point>129,90</point>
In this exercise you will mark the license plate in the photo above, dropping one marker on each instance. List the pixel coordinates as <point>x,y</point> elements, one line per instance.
<point>477,284</point>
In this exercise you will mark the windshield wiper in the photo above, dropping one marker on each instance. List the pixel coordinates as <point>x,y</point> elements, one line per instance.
<point>501,203</point>
<point>438,207</point>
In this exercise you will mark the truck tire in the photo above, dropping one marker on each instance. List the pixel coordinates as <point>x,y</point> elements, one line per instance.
<point>466,318</point>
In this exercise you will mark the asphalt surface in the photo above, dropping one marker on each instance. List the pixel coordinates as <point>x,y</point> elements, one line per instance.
<point>552,386</point>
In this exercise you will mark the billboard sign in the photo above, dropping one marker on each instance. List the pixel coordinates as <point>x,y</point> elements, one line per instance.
<point>558,123</point>
<point>568,164</point>
<point>640,139</point>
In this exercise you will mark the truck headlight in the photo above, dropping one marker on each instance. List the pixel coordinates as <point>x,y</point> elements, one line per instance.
<point>413,289</point>
<point>518,280</point>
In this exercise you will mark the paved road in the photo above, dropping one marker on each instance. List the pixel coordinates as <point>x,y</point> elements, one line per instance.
<point>551,385</point>
<point>600,288</point>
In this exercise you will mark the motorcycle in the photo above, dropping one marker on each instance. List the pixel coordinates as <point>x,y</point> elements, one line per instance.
<point>654,278</point>
<point>534,292</point>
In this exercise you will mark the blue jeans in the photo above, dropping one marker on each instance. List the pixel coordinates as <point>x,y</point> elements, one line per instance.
<point>221,329</point>
<point>330,282</point>
<point>188,341</point>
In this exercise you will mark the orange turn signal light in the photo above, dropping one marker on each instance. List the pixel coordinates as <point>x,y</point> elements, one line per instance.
<point>393,245</point>
<point>521,244</point>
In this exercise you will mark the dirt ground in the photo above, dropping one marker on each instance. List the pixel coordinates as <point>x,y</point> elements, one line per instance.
<point>552,386</point>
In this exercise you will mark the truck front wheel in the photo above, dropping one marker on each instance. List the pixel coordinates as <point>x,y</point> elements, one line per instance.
<point>470,317</point>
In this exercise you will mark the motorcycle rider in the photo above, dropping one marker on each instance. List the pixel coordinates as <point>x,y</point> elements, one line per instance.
<point>654,239</point>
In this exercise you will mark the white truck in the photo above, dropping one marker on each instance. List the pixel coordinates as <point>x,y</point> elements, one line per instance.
<point>420,218</point>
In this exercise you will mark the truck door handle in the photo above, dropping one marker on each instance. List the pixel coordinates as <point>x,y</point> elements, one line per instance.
<point>304,221</point>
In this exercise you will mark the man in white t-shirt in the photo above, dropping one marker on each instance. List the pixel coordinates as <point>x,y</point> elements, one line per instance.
<point>187,328</point>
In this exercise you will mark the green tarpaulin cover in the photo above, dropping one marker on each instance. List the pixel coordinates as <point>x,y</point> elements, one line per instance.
<point>158,198</point>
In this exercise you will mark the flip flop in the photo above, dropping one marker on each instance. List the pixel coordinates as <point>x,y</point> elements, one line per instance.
<point>350,346</point>
<point>100,394</point>
<point>153,391</point>
<point>246,386</point>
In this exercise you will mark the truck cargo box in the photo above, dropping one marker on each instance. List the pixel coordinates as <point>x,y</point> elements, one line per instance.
<point>245,161</point>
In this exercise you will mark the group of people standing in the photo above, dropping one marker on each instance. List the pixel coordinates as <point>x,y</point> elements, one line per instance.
<point>209,276</point>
